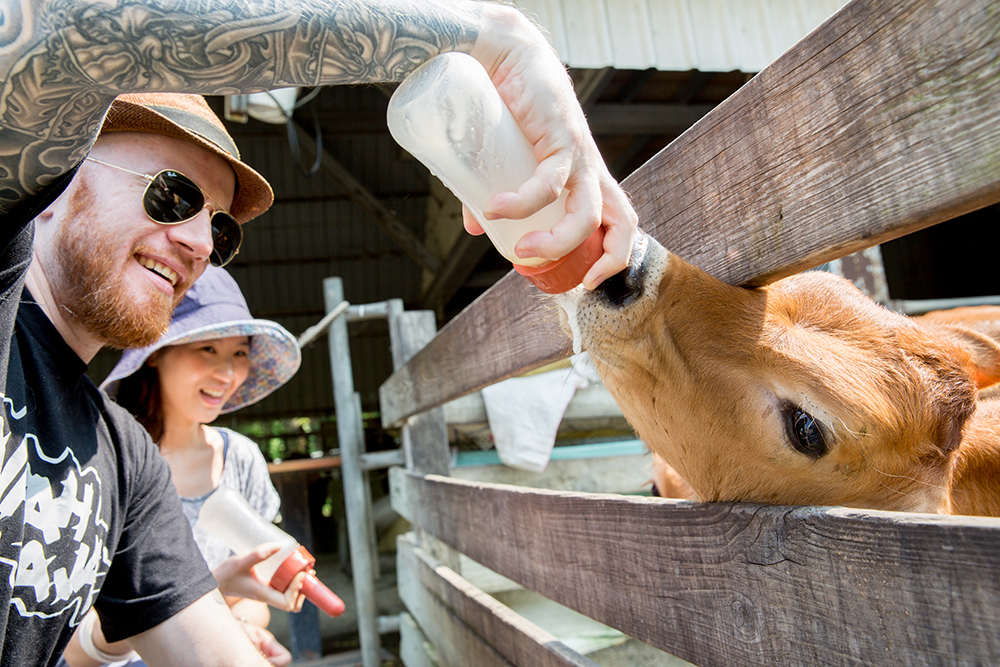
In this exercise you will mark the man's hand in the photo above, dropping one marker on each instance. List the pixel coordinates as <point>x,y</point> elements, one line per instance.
<point>534,84</point>
<point>236,577</point>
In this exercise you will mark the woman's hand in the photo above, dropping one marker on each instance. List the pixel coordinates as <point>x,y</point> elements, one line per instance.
<point>236,577</point>
<point>273,651</point>
<point>533,82</point>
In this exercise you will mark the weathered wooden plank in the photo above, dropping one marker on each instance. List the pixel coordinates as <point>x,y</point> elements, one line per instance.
<point>455,644</point>
<point>880,122</point>
<point>735,584</point>
<point>613,474</point>
<point>516,639</point>
<point>425,436</point>
<point>414,649</point>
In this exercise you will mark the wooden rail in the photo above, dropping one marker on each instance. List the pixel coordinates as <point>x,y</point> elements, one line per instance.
<point>733,584</point>
<point>880,122</point>
<point>459,616</point>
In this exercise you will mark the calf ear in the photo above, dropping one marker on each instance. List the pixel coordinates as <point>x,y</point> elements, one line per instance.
<point>983,351</point>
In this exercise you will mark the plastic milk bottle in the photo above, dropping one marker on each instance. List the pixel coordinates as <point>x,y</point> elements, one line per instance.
<point>448,115</point>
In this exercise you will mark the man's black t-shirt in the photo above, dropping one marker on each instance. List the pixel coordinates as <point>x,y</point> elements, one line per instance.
<point>88,515</point>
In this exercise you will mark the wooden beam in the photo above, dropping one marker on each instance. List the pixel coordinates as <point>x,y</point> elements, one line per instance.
<point>370,204</point>
<point>454,643</point>
<point>428,585</point>
<point>644,119</point>
<point>691,87</point>
<point>414,649</point>
<point>735,584</point>
<point>606,118</point>
<point>304,465</point>
<point>425,437</point>
<point>462,260</point>
<point>590,84</point>
<point>880,122</point>
<point>696,82</point>
<point>611,118</point>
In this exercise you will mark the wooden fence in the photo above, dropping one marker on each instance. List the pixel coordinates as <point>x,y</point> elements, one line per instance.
<point>884,120</point>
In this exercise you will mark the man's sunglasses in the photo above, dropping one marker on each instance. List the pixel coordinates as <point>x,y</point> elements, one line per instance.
<point>171,198</point>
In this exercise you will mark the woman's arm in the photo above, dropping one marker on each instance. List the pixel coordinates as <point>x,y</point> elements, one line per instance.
<point>250,611</point>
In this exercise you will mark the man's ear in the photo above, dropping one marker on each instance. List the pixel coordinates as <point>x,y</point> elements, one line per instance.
<point>984,352</point>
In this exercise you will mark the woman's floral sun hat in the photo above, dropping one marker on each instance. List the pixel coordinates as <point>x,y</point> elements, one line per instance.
<point>214,308</point>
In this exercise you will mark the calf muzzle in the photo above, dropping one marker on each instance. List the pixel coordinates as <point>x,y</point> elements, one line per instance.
<point>626,286</point>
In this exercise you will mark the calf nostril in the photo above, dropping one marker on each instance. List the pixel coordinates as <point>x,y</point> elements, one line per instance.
<point>625,286</point>
<point>616,288</point>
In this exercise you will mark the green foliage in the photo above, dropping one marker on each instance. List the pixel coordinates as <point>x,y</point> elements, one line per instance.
<point>297,437</point>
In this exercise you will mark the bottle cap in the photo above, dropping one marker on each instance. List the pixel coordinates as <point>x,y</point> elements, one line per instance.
<point>295,562</point>
<point>563,274</point>
<point>314,589</point>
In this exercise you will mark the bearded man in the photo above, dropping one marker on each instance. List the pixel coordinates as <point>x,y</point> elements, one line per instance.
<point>100,523</point>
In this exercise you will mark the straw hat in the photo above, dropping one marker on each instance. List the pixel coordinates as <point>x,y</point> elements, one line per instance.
<point>190,118</point>
<point>214,308</point>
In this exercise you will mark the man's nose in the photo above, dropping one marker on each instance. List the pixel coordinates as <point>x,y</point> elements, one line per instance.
<point>194,236</point>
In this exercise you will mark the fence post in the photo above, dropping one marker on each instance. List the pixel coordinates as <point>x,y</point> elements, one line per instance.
<point>351,436</point>
<point>425,436</point>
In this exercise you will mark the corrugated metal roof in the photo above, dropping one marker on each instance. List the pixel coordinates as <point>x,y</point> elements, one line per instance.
<point>677,35</point>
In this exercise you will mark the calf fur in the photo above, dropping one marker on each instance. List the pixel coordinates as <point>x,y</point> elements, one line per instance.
<point>801,392</point>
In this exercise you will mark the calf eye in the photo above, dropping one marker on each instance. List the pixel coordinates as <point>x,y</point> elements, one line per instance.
<point>805,433</point>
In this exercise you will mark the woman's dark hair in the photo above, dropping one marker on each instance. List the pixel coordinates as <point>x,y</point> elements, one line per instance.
<point>139,393</point>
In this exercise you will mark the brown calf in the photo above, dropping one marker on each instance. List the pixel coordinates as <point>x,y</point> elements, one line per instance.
<point>801,392</point>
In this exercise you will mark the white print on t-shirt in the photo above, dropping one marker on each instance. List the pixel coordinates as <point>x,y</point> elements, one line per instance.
<point>13,470</point>
<point>61,558</point>
<point>13,474</point>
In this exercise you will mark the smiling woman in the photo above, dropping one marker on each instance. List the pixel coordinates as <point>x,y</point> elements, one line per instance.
<point>214,358</point>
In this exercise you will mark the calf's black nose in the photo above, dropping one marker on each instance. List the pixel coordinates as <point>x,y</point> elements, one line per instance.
<point>625,286</point>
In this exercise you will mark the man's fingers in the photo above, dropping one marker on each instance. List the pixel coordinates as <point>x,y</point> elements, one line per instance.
<point>541,189</point>
<point>620,221</point>
<point>583,214</point>
<point>236,576</point>
<point>471,224</point>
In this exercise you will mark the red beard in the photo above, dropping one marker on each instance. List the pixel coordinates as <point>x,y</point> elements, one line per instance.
<point>93,289</point>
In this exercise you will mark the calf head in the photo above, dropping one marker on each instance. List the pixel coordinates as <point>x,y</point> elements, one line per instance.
<point>802,392</point>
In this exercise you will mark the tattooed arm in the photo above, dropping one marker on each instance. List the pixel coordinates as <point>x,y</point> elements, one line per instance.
<point>62,62</point>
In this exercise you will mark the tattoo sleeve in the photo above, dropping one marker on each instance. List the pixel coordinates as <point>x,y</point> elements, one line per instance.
<point>62,62</point>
